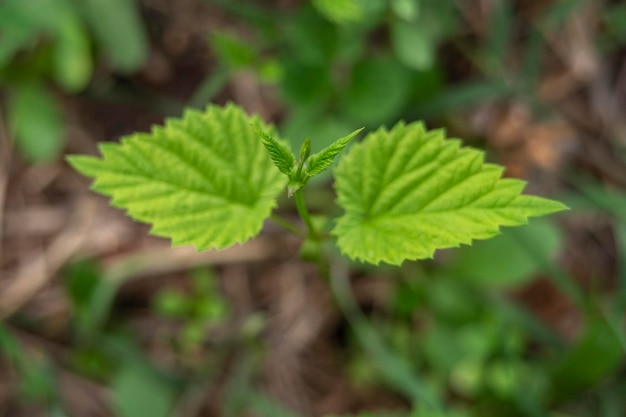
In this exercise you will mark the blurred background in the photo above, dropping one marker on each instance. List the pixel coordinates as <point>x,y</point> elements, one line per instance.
<point>101,319</point>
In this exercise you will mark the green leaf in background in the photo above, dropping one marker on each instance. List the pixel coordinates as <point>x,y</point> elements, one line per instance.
<point>378,89</point>
<point>413,44</point>
<point>352,44</point>
<point>373,12</point>
<point>339,11</point>
<point>139,392</point>
<point>510,258</point>
<point>313,40</point>
<point>203,180</point>
<point>35,122</point>
<point>406,9</point>
<point>81,280</point>
<point>614,17</point>
<point>408,191</point>
<point>270,71</point>
<point>307,88</point>
<point>119,31</point>
<point>171,303</point>
<point>419,28</point>
<point>233,51</point>
<point>451,299</point>
<point>72,54</point>
<point>20,22</point>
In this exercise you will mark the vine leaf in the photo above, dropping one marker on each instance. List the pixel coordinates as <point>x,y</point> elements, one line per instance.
<point>408,192</point>
<point>321,161</point>
<point>203,180</point>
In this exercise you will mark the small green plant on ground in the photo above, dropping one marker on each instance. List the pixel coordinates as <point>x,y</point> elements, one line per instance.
<point>211,179</point>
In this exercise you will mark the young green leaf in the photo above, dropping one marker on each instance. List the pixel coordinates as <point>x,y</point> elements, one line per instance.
<point>298,178</point>
<point>340,11</point>
<point>203,180</point>
<point>320,161</point>
<point>408,191</point>
<point>278,151</point>
<point>36,122</point>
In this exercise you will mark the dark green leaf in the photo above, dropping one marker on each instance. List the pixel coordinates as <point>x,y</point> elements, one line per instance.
<point>140,392</point>
<point>414,46</point>
<point>120,32</point>
<point>593,357</point>
<point>377,91</point>
<point>36,122</point>
<point>231,50</point>
<point>511,258</point>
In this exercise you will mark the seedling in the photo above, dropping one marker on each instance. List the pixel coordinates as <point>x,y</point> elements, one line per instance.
<point>210,179</point>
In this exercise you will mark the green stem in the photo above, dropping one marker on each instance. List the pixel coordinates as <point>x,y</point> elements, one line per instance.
<point>304,214</point>
<point>287,225</point>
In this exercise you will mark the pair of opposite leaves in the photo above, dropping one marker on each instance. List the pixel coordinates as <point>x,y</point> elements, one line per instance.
<point>207,180</point>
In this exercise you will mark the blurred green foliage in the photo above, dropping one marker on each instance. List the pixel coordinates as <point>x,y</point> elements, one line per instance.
<point>200,310</point>
<point>329,78</point>
<point>49,44</point>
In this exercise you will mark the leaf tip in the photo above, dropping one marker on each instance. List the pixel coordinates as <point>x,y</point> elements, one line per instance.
<point>84,164</point>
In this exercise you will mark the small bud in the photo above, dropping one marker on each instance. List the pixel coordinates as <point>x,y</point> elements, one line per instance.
<point>293,186</point>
